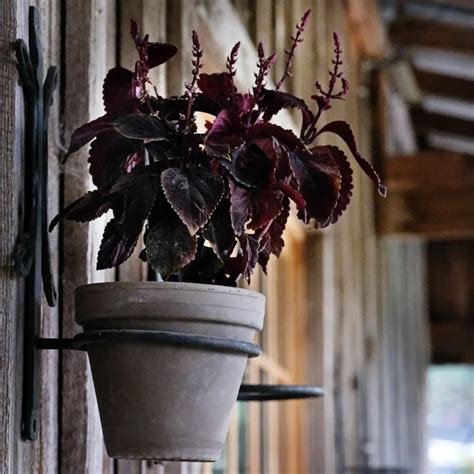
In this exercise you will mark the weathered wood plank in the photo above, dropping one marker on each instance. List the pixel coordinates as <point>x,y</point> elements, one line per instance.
<point>86,55</point>
<point>445,85</point>
<point>430,172</point>
<point>367,28</point>
<point>15,454</point>
<point>416,31</point>
<point>431,121</point>
<point>443,215</point>
<point>10,198</point>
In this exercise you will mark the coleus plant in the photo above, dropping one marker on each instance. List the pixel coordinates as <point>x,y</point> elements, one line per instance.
<point>213,203</point>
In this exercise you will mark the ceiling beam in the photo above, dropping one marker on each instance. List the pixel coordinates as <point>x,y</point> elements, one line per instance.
<point>431,195</point>
<point>431,216</point>
<point>446,86</point>
<point>430,171</point>
<point>428,121</point>
<point>417,31</point>
<point>451,342</point>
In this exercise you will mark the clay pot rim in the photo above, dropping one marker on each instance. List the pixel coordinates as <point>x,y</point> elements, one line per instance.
<point>166,286</point>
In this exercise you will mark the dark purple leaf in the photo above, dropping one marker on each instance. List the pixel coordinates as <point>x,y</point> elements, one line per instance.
<point>271,102</point>
<point>246,259</point>
<point>345,172</point>
<point>267,130</point>
<point>114,248</point>
<point>250,166</point>
<point>87,132</point>
<point>169,246</point>
<point>122,232</point>
<point>251,247</point>
<point>159,53</point>
<point>343,130</point>
<point>141,127</point>
<point>107,154</point>
<point>226,133</point>
<point>265,206</point>
<point>218,86</point>
<point>319,184</point>
<point>240,207</point>
<point>116,91</point>
<point>275,242</point>
<point>219,230</point>
<point>87,208</point>
<point>293,194</point>
<point>193,194</point>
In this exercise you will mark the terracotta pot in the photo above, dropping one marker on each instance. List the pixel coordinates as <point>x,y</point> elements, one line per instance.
<point>160,401</point>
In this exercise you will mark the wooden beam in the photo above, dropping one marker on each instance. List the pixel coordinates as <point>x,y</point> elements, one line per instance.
<point>427,121</point>
<point>367,28</point>
<point>452,342</point>
<point>440,215</point>
<point>444,85</point>
<point>432,34</point>
<point>430,171</point>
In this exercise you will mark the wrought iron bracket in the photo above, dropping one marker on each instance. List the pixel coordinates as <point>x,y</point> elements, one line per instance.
<point>247,392</point>
<point>31,255</point>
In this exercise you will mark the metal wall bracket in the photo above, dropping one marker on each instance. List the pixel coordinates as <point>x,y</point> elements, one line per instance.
<point>247,393</point>
<point>31,256</point>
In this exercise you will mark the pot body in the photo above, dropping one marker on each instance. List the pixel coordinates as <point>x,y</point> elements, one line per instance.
<point>167,402</point>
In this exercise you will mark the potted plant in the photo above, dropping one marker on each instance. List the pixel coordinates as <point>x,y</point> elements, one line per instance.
<point>214,203</point>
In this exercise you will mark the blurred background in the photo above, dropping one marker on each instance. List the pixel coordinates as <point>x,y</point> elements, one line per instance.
<point>379,309</point>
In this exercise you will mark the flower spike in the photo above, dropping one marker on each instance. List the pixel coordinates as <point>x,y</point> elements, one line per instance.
<point>298,38</point>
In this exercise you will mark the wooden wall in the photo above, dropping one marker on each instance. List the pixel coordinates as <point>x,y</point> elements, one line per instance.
<point>365,297</point>
<point>17,456</point>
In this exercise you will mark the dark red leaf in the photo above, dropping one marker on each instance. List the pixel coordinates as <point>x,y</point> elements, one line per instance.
<point>345,172</point>
<point>122,232</point>
<point>114,248</point>
<point>141,127</point>
<point>116,91</point>
<point>271,102</point>
<point>343,130</point>
<point>275,242</point>
<point>240,207</point>
<point>246,259</point>
<point>267,130</point>
<point>319,184</point>
<point>218,86</point>
<point>265,206</point>
<point>218,232</point>
<point>169,246</point>
<point>251,247</point>
<point>87,132</point>
<point>293,194</point>
<point>87,208</point>
<point>250,166</point>
<point>159,53</point>
<point>107,154</point>
<point>193,194</point>
<point>226,133</point>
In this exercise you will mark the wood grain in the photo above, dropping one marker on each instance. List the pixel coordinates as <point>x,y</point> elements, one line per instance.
<point>10,285</point>
<point>86,55</point>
